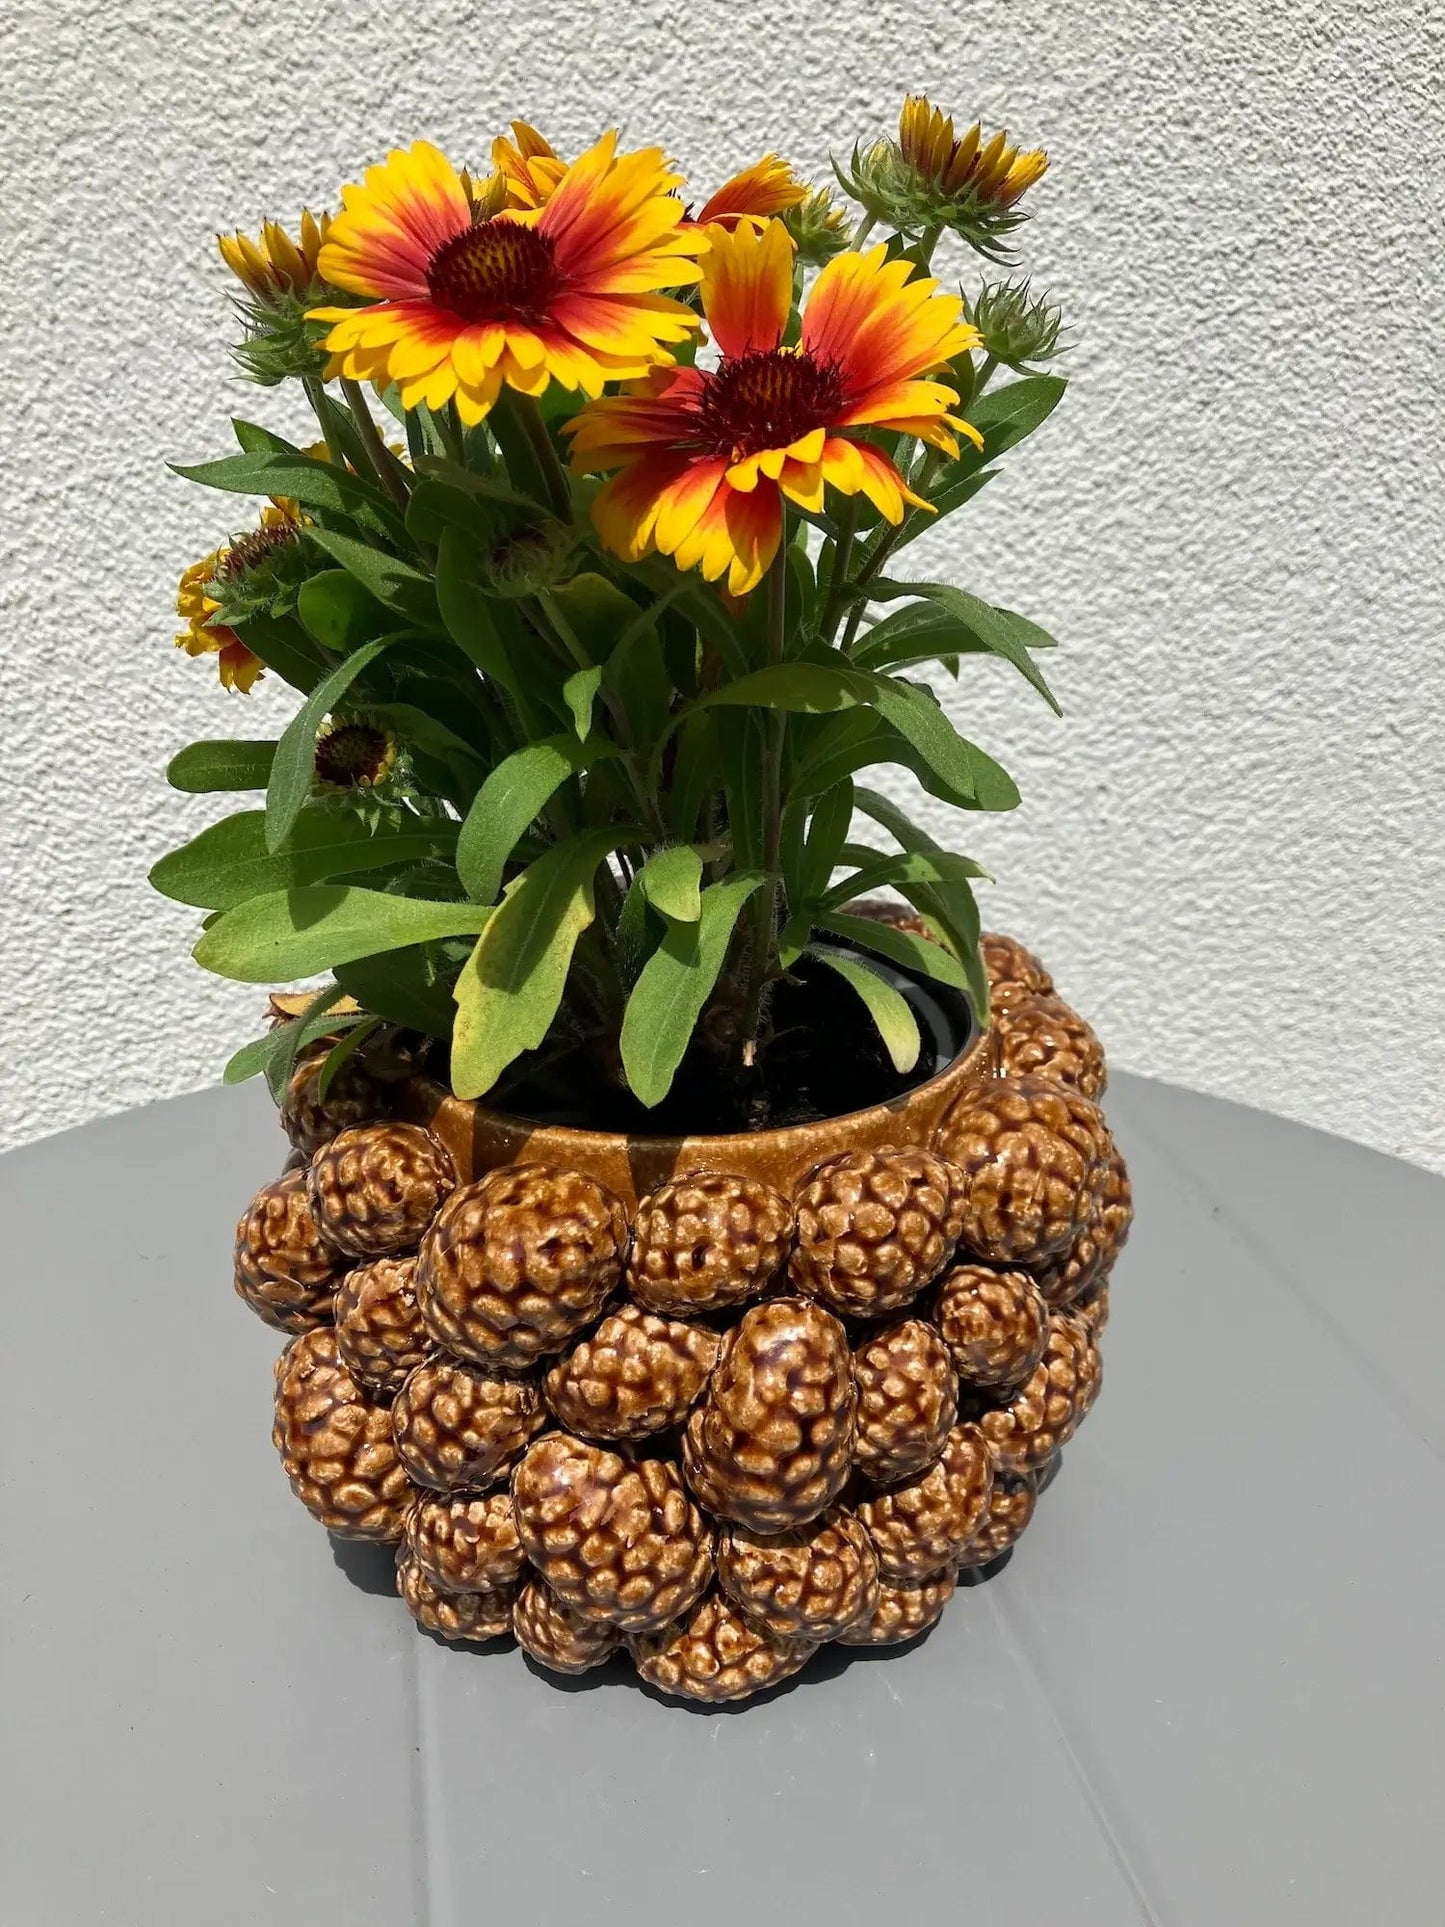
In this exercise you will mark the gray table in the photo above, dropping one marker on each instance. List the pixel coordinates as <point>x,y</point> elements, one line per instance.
<point>1207,1688</point>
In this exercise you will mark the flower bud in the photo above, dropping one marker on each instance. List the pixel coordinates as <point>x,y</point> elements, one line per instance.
<point>1015,326</point>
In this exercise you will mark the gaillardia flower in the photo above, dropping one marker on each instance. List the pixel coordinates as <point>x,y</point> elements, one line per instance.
<point>707,456</point>
<point>197,606</point>
<point>461,306</point>
<point>528,165</point>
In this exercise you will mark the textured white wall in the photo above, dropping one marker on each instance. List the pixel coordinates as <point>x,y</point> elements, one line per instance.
<point>1231,850</point>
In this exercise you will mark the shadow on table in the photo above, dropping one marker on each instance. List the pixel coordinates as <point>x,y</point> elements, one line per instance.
<point>372,1569</point>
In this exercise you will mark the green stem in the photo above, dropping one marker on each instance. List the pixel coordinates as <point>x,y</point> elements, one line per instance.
<point>842,560</point>
<point>763,920</point>
<point>861,232</point>
<point>389,471</point>
<point>631,762</point>
<point>554,476</point>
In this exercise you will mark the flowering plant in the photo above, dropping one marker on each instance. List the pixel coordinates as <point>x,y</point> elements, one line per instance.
<point>593,644</point>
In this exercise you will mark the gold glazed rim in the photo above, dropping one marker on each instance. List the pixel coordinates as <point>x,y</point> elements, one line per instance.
<point>632,1164</point>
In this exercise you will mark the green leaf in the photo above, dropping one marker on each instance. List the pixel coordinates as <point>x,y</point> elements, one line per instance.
<point>961,765</point>
<point>340,612</point>
<point>671,880</point>
<point>512,984</point>
<point>674,985</point>
<point>889,1009</point>
<point>230,861</point>
<point>283,645</point>
<point>392,582</point>
<point>948,908</point>
<point>407,986</point>
<point>510,800</point>
<point>827,833</point>
<point>802,688</point>
<point>695,773</point>
<point>297,933</point>
<point>892,872</point>
<point>324,486</point>
<point>291,771</point>
<point>1004,416</point>
<point>341,1052</point>
<point>230,764</point>
<point>811,687</point>
<point>579,692</point>
<point>976,623</point>
<point>490,633</point>
<point>902,947</point>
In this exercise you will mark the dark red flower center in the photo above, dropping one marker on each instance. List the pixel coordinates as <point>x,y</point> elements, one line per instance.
<point>495,271</point>
<point>350,754</point>
<point>766,400</point>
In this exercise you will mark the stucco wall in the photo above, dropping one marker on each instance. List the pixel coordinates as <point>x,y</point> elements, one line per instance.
<point>1231,850</point>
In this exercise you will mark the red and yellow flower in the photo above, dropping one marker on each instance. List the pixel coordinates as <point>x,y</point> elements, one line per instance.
<point>463,306</point>
<point>707,457</point>
<point>238,666</point>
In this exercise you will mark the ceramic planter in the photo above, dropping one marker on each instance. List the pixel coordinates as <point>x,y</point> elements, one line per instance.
<point>711,1402</point>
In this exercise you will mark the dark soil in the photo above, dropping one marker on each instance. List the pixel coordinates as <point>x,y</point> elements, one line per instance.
<point>824,1060</point>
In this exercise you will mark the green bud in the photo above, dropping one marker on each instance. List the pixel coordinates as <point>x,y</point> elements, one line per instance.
<point>1016,326</point>
<point>898,194</point>
<point>536,556</point>
<point>819,227</point>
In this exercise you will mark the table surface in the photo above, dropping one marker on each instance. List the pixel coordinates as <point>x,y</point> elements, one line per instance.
<point>1206,1689</point>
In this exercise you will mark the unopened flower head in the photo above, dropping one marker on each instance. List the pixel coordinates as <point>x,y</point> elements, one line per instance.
<point>931,179</point>
<point>819,226</point>
<point>1015,325</point>
<point>281,278</point>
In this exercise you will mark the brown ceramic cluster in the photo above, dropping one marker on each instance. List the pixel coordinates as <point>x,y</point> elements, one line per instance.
<point>722,1430</point>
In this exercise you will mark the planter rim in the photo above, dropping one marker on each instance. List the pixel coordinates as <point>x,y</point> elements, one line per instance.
<point>634,1163</point>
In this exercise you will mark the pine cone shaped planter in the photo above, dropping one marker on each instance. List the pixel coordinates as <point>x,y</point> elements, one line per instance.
<point>1043,1037</point>
<point>771,1445</point>
<point>284,1269</point>
<point>479,1616</point>
<point>710,1403</point>
<point>1048,1408</point>
<point>875,1227</point>
<point>458,1428</point>
<point>1011,1503</point>
<point>922,1525</point>
<point>336,1445</point>
<point>709,1241</point>
<point>519,1262</point>
<point>1028,1150</point>
<point>557,1637</point>
<point>466,1542</point>
<point>904,1610</point>
<point>637,1374</point>
<point>353,1098</point>
<point>375,1190</point>
<point>907,1400</point>
<point>379,1331</point>
<point>994,1323</point>
<point>616,1541</point>
<point>810,1584</point>
<point>714,1654</point>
